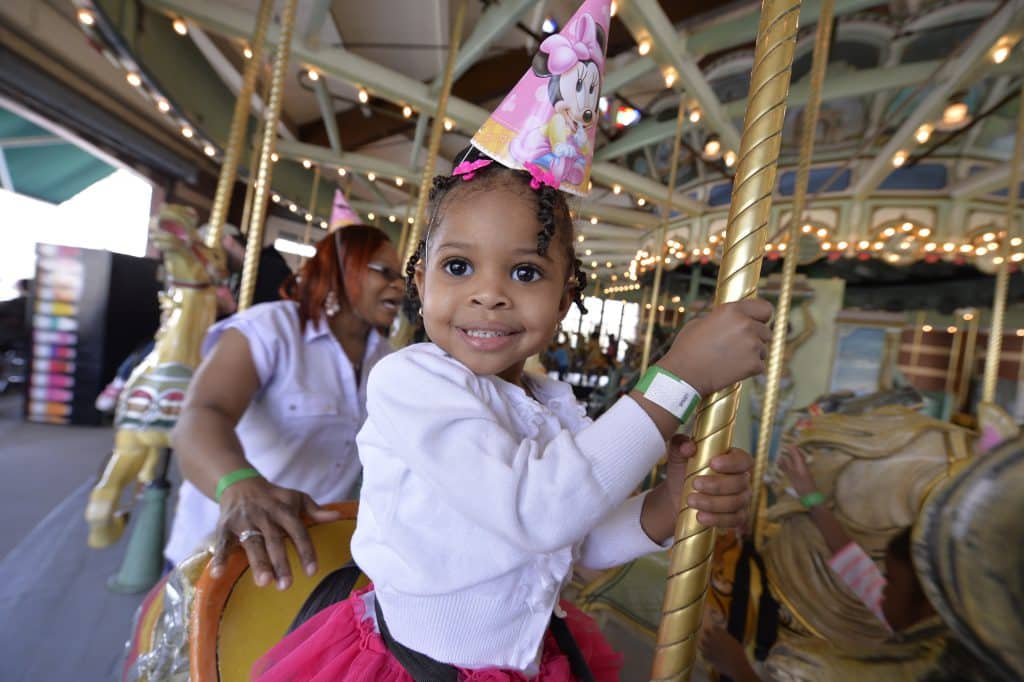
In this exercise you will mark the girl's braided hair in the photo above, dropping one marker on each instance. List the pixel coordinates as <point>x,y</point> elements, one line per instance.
<point>552,213</point>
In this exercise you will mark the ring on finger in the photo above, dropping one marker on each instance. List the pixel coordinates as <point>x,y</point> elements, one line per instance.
<point>247,535</point>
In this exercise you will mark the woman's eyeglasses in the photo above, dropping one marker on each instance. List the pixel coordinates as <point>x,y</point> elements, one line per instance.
<point>387,273</point>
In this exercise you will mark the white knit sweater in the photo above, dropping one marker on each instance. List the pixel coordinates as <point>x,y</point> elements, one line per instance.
<point>477,499</point>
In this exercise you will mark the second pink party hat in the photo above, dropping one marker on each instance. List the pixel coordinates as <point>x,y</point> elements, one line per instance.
<point>548,123</point>
<point>342,214</point>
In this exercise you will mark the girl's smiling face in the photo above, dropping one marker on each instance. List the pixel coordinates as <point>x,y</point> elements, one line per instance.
<point>489,299</point>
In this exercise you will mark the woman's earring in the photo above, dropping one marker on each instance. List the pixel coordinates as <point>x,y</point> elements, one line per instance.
<point>331,305</point>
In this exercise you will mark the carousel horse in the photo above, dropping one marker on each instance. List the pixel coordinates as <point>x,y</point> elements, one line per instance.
<point>968,556</point>
<point>875,469</point>
<point>194,626</point>
<point>149,404</point>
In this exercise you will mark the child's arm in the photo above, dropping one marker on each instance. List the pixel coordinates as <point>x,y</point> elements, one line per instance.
<point>794,465</point>
<point>849,561</point>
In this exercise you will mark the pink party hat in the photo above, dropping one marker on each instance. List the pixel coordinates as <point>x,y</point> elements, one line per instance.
<point>548,123</point>
<point>342,214</point>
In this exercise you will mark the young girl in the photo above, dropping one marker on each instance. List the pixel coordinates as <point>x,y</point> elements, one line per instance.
<point>483,484</point>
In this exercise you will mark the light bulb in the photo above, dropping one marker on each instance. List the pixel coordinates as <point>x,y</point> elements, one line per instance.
<point>644,47</point>
<point>616,189</point>
<point>133,79</point>
<point>407,111</point>
<point>307,164</point>
<point>313,75</point>
<point>371,216</point>
<point>712,147</point>
<point>247,52</point>
<point>209,150</point>
<point>187,132</point>
<point>1000,54</point>
<point>806,229</point>
<point>364,96</point>
<point>593,220</point>
<point>163,105</point>
<point>180,27</point>
<point>730,158</point>
<point>822,232</point>
<point>449,124</point>
<point>372,177</point>
<point>399,182</point>
<point>899,158</point>
<point>86,17</point>
<point>955,114</point>
<point>695,116</point>
<point>293,208</point>
<point>342,172</point>
<point>924,133</point>
<point>670,78</point>
<point>641,202</point>
<point>392,218</point>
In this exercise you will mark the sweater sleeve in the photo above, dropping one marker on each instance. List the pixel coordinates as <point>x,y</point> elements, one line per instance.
<point>619,538</point>
<point>856,569</point>
<point>539,496</point>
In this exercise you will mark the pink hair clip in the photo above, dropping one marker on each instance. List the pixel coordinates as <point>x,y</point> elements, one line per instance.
<point>540,176</point>
<point>468,169</point>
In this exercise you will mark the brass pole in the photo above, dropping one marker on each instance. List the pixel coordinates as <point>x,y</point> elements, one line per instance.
<point>747,232</point>
<point>915,350</point>
<point>777,356</point>
<point>239,121</point>
<point>995,335</point>
<point>436,130</point>
<point>951,370</point>
<point>265,167</point>
<point>312,208</point>
<point>253,156</point>
<point>659,242</point>
<point>970,360</point>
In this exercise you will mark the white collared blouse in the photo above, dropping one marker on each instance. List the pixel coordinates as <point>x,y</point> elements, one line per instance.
<point>300,429</point>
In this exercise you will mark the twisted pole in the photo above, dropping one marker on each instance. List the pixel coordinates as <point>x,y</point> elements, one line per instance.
<point>995,334</point>
<point>264,169</point>
<point>738,275</point>
<point>777,356</point>
<point>659,244</point>
<point>239,120</point>
<point>436,131</point>
<point>311,214</point>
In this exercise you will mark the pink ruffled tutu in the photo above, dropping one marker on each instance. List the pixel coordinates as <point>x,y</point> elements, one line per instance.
<point>340,644</point>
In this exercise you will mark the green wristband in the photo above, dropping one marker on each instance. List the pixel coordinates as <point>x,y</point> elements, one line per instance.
<point>665,389</point>
<point>811,500</point>
<point>234,477</point>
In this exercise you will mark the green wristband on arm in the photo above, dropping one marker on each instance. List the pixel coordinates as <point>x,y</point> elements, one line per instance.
<point>811,500</point>
<point>228,480</point>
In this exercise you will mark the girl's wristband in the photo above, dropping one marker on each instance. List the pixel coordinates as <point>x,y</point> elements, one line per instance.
<point>234,477</point>
<point>813,499</point>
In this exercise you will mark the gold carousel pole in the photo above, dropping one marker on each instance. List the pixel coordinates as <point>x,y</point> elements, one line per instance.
<point>436,131</point>
<point>740,269</point>
<point>264,169</point>
<point>311,212</point>
<point>659,244</point>
<point>995,334</point>
<point>776,358</point>
<point>228,170</point>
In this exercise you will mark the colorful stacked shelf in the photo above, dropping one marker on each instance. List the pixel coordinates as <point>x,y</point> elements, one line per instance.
<point>90,309</point>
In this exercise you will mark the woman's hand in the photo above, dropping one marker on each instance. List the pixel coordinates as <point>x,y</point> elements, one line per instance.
<point>721,498</point>
<point>725,346</point>
<point>267,514</point>
<point>794,465</point>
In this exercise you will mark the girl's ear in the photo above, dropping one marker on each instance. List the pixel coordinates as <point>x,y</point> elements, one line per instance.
<point>565,302</point>
<point>418,278</point>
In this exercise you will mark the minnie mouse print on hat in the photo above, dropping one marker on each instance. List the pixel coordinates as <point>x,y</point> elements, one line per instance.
<point>548,123</point>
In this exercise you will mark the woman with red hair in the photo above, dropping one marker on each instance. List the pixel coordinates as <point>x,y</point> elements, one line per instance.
<point>267,430</point>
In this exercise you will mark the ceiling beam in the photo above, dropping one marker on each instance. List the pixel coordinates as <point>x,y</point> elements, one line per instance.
<point>392,85</point>
<point>716,36</point>
<point>492,23</point>
<point>647,21</point>
<point>30,141</point>
<point>328,114</point>
<point>5,174</point>
<point>852,84</point>
<point>991,180</point>
<point>953,76</point>
<point>315,23</point>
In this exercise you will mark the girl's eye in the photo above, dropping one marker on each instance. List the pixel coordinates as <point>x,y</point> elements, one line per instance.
<point>525,273</point>
<point>458,267</point>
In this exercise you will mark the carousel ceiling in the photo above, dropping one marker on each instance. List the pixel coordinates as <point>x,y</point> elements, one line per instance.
<point>917,124</point>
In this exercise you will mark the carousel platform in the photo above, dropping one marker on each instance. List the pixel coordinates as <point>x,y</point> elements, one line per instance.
<point>59,622</point>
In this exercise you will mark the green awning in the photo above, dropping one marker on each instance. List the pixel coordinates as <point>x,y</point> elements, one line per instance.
<point>42,165</point>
